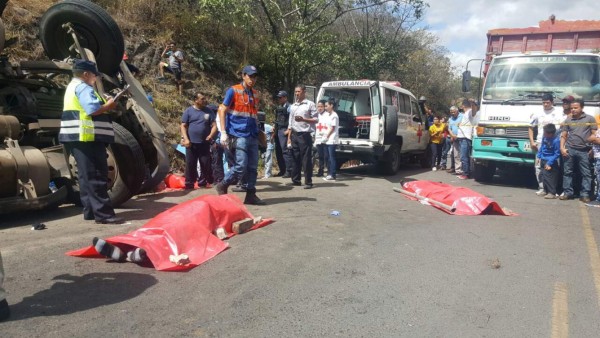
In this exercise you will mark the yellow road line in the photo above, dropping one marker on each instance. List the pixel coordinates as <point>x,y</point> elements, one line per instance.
<point>592,248</point>
<point>560,311</point>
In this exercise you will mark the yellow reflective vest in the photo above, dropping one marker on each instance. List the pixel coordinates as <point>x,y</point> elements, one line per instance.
<point>77,126</point>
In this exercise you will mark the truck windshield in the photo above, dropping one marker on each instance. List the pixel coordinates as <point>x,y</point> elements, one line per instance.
<point>522,76</point>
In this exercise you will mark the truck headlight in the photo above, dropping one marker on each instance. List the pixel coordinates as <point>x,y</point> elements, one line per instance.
<point>489,131</point>
<point>500,131</point>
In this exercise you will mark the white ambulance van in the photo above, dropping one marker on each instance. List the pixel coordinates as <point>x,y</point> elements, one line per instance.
<point>380,122</point>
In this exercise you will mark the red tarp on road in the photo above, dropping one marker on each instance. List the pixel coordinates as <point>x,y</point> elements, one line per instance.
<point>187,228</point>
<point>466,201</point>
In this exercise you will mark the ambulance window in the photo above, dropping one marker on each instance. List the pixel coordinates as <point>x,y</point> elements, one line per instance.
<point>416,112</point>
<point>389,97</point>
<point>375,100</point>
<point>404,104</point>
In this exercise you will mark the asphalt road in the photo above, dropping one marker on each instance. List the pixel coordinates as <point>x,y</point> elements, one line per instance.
<point>386,267</point>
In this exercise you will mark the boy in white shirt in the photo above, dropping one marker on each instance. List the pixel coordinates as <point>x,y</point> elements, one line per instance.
<point>320,129</point>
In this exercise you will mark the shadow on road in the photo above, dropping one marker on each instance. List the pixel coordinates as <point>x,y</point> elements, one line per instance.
<point>71,294</point>
<point>30,217</point>
<point>273,201</point>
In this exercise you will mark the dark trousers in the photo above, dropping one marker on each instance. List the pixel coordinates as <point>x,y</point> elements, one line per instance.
<point>577,161</point>
<point>302,150</point>
<point>436,154</point>
<point>323,156</point>
<point>445,149</point>
<point>285,159</point>
<point>331,161</point>
<point>92,170</point>
<point>550,178</point>
<point>216,157</point>
<point>197,152</point>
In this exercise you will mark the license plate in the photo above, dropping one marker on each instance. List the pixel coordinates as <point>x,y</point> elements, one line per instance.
<point>527,146</point>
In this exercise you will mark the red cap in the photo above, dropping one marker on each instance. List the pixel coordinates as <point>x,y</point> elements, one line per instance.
<point>568,99</point>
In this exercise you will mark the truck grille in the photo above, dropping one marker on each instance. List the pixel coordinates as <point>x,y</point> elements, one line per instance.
<point>517,132</point>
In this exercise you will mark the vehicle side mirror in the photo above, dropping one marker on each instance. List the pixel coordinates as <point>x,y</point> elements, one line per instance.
<point>466,81</point>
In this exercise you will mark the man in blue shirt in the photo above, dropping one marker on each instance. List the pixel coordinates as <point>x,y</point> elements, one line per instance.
<point>269,131</point>
<point>549,153</point>
<point>198,129</point>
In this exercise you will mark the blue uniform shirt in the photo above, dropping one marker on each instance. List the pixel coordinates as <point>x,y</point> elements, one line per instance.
<point>454,122</point>
<point>88,98</point>
<point>199,123</point>
<point>240,126</point>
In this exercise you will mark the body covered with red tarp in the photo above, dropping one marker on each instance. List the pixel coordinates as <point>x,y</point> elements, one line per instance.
<point>187,228</point>
<point>465,200</point>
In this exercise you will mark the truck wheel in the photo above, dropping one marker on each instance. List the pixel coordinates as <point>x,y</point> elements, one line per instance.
<point>95,28</point>
<point>126,166</point>
<point>391,163</point>
<point>484,174</point>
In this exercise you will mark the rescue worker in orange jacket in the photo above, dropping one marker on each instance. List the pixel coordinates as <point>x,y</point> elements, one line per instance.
<point>238,124</point>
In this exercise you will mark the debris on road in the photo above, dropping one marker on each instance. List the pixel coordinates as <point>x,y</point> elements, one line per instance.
<point>39,226</point>
<point>335,213</point>
<point>496,264</point>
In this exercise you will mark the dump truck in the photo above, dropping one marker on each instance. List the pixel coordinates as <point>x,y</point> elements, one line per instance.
<point>35,170</point>
<point>522,64</point>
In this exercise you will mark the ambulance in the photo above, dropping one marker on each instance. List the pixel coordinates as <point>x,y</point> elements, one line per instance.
<point>380,123</point>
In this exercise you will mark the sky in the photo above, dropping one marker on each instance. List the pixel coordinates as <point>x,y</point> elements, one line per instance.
<point>462,25</point>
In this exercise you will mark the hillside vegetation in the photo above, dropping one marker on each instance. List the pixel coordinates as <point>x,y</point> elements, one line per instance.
<point>290,41</point>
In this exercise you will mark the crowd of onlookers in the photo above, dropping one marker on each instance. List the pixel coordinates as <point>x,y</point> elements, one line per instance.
<point>565,142</point>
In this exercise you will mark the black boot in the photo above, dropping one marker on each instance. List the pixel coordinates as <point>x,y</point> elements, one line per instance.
<point>252,199</point>
<point>221,188</point>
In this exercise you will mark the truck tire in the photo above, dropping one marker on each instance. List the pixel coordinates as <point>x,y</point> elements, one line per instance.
<point>391,124</point>
<point>127,167</point>
<point>482,173</point>
<point>95,28</point>
<point>391,162</point>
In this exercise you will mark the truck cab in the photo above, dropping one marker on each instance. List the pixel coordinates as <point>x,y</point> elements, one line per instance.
<point>512,93</point>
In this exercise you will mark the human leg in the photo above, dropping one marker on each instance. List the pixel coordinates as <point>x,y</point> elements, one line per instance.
<point>568,176</point>
<point>434,154</point>
<point>251,145</point>
<point>268,162</point>
<point>465,155</point>
<point>321,148</point>
<point>217,162</point>
<point>585,170</point>
<point>332,165</point>
<point>205,168</point>
<point>457,162</point>
<point>445,149</point>
<point>307,151</point>
<point>191,166</point>
<point>280,145</point>
<point>296,152</point>
<point>93,176</point>
<point>238,170</point>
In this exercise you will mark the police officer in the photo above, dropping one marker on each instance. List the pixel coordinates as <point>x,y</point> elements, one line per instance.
<point>85,131</point>
<point>241,126</point>
<point>285,160</point>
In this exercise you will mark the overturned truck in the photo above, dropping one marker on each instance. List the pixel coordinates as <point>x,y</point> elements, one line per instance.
<point>35,170</point>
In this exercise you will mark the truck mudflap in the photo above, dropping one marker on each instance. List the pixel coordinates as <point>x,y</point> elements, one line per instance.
<point>498,149</point>
<point>16,204</point>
